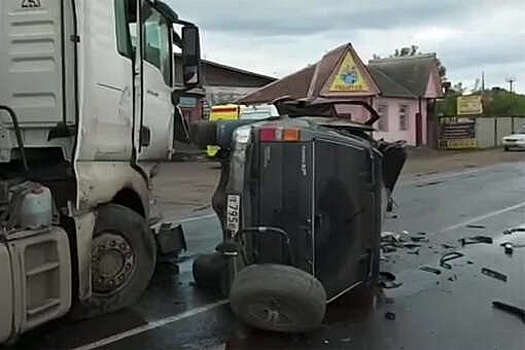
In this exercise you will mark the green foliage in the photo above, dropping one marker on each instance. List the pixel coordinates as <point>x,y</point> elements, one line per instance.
<point>496,103</point>
<point>499,103</point>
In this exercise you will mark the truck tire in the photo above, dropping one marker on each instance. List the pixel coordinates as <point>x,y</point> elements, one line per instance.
<point>210,271</point>
<point>124,254</point>
<point>203,133</point>
<point>278,298</point>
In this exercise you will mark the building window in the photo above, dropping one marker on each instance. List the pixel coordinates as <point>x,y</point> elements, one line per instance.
<point>403,117</point>
<point>382,124</point>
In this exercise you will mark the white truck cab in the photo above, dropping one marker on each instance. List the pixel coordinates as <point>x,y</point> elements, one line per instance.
<point>88,96</point>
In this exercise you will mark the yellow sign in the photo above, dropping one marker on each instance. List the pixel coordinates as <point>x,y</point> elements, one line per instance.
<point>469,105</point>
<point>458,143</point>
<point>349,77</point>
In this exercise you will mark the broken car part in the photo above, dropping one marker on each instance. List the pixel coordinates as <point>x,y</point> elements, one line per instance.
<point>390,316</point>
<point>476,226</point>
<point>475,240</point>
<point>494,274</point>
<point>510,309</point>
<point>448,257</point>
<point>430,269</point>
<point>513,230</point>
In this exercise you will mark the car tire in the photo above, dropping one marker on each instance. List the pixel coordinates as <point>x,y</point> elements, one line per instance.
<point>124,244</point>
<point>278,298</point>
<point>506,149</point>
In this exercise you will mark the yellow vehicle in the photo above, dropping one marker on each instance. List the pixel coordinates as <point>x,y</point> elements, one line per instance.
<point>222,112</point>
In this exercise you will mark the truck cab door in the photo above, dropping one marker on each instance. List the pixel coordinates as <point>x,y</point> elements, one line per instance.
<point>154,125</point>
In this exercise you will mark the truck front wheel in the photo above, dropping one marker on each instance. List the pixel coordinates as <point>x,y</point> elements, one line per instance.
<point>123,258</point>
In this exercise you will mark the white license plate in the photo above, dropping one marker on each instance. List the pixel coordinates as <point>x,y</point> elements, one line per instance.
<point>233,213</point>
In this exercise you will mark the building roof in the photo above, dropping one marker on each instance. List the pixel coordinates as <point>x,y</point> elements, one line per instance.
<point>217,74</point>
<point>321,80</point>
<point>406,76</point>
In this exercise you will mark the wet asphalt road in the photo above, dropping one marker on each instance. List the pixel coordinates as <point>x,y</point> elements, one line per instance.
<point>451,310</point>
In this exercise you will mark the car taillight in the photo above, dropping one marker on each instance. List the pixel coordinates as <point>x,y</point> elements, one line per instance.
<point>272,134</point>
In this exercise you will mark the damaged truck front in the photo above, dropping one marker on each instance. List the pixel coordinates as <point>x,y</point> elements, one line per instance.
<point>88,99</point>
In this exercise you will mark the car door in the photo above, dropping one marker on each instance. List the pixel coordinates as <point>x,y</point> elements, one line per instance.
<point>156,122</point>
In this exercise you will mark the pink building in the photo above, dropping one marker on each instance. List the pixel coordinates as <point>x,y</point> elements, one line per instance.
<point>399,88</point>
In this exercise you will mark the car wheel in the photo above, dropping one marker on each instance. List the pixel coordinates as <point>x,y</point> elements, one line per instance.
<point>123,258</point>
<point>278,298</point>
<point>506,149</point>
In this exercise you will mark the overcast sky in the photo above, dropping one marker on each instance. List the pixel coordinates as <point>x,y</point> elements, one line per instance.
<point>279,37</point>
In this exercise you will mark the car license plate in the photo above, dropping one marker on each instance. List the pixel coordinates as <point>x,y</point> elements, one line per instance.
<point>233,213</point>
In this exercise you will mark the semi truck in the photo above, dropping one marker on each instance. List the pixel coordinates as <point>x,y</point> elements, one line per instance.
<point>88,107</point>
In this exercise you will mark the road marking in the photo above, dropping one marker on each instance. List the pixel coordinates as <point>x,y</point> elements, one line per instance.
<point>196,218</point>
<point>483,217</point>
<point>151,325</point>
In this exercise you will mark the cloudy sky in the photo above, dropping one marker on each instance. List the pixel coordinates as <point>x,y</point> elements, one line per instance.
<point>278,37</point>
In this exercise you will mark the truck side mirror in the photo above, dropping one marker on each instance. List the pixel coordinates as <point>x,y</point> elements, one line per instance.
<point>191,57</point>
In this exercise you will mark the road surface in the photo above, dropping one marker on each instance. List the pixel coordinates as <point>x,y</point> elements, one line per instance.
<point>451,310</point>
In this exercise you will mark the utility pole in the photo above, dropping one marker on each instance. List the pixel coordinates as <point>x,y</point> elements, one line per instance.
<point>511,81</point>
<point>482,82</point>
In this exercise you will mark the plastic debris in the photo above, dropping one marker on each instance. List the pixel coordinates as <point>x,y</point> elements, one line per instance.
<point>419,238</point>
<point>390,316</point>
<point>476,226</point>
<point>510,309</point>
<point>513,230</point>
<point>494,274</point>
<point>430,269</point>
<point>508,248</point>
<point>475,240</point>
<point>390,284</point>
<point>443,262</point>
<point>448,246</point>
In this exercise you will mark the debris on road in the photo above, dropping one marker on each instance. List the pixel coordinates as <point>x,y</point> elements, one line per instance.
<point>494,274</point>
<point>388,248</point>
<point>346,340</point>
<point>508,248</point>
<point>476,226</point>
<point>390,284</point>
<point>476,239</point>
<point>411,245</point>
<point>390,316</point>
<point>413,251</point>
<point>510,309</point>
<point>387,280</point>
<point>430,269</point>
<point>448,246</point>
<point>419,238</point>
<point>443,262</point>
<point>514,230</point>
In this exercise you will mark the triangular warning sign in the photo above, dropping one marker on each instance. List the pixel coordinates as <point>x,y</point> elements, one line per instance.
<point>349,77</point>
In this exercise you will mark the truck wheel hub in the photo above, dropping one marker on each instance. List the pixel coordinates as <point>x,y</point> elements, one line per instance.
<point>112,263</point>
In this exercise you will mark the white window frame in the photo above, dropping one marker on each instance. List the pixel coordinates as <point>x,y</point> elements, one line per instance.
<point>382,124</point>
<point>404,117</point>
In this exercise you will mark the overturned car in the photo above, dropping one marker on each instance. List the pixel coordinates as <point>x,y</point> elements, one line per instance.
<point>301,200</point>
